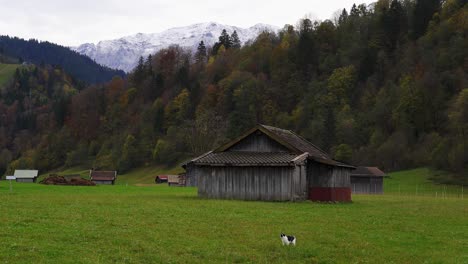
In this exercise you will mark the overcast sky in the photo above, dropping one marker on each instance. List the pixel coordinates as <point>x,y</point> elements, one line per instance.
<point>73,22</point>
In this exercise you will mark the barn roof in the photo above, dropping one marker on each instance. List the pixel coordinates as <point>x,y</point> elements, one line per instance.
<point>296,145</point>
<point>26,174</point>
<point>242,158</point>
<point>368,172</point>
<point>103,175</point>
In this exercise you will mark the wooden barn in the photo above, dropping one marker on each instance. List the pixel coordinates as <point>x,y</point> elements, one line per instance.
<point>367,180</point>
<point>26,175</point>
<point>103,177</point>
<point>270,164</point>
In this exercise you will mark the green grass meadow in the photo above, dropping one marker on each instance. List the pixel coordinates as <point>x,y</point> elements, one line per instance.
<point>417,182</point>
<point>6,72</point>
<point>139,222</point>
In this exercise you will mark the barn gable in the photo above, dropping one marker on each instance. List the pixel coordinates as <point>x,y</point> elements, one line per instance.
<point>258,142</point>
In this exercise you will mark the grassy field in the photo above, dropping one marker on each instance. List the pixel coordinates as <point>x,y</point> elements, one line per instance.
<point>6,72</point>
<point>418,182</point>
<point>143,223</point>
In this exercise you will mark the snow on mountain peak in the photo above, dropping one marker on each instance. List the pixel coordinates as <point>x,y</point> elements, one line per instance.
<point>123,53</point>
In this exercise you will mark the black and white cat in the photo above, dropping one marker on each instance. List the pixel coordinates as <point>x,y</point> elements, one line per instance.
<point>288,240</point>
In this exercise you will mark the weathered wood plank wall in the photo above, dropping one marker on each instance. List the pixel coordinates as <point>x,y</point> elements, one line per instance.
<point>250,183</point>
<point>327,176</point>
<point>25,180</point>
<point>103,182</point>
<point>367,185</point>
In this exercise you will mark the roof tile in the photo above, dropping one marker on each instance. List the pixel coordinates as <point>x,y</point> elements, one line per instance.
<point>247,158</point>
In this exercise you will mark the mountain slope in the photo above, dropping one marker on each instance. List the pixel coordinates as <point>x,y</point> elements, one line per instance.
<point>79,66</point>
<point>123,53</point>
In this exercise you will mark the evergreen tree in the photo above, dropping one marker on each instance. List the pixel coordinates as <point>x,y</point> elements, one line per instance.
<point>307,53</point>
<point>225,39</point>
<point>141,65</point>
<point>395,23</point>
<point>343,17</point>
<point>149,65</point>
<point>354,11</point>
<point>423,12</point>
<point>139,73</point>
<point>200,56</point>
<point>235,40</point>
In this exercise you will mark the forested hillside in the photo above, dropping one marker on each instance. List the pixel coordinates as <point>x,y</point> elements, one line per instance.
<point>79,66</point>
<point>384,85</point>
<point>33,106</point>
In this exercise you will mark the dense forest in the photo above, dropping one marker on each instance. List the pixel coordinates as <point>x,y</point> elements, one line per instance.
<point>382,85</point>
<point>79,66</point>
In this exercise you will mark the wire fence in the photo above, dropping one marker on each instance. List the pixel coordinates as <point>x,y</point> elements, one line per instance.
<point>437,191</point>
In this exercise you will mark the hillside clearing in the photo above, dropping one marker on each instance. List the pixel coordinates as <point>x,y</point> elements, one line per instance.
<point>6,72</point>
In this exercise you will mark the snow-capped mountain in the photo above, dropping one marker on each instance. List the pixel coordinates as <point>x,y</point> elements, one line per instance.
<point>123,53</point>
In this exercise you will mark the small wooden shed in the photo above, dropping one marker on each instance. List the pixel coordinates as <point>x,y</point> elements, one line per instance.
<point>173,180</point>
<point>270,164</point>
<point>367,180</point>
<point>179,180</point>
<point>103,177</point>
<point>26,175</point>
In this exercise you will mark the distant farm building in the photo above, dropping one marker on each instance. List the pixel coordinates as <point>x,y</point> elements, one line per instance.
<point>103,177</point>
<point>26,175</point>
<point>177,180</point>
<point>270,164</point>
<point>160,179</point>
<point>367,180</point>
